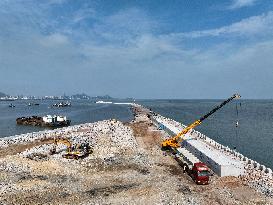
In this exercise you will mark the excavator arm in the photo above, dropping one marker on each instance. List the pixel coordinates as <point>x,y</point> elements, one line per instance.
<point>176,140</point>
<point>75,152</point>
<point>61,141</point>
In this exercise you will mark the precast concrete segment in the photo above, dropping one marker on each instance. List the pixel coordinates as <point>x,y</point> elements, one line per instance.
<point>189,157</point>
<point>220,163</point>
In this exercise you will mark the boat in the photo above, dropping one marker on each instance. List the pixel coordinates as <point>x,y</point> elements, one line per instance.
<point>45,121</point>
<point>62,104</point>
<point>31,104</point>
<point>103,102</point>
<point>11,105</point>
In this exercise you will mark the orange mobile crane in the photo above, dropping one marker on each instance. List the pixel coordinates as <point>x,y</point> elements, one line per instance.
<point>175,141</point>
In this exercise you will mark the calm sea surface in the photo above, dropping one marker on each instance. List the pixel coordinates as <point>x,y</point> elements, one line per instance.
<point>253,137</point>
<point>81,111</point>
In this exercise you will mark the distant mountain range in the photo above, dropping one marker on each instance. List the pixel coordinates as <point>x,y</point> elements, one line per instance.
<point>82,96</point>
<point>104,97</point>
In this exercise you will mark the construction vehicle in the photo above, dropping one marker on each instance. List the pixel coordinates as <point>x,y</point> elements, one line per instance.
<point>175,141</point>
<point>197,170</point>
<point>73,152</point>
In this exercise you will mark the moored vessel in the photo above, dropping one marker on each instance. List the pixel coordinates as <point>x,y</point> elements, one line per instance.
<point>45,121</point>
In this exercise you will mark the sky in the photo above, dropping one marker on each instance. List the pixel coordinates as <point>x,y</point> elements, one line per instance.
<point>155,49</point>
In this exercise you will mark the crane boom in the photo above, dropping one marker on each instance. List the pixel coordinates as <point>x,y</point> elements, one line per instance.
<point>175,141</point>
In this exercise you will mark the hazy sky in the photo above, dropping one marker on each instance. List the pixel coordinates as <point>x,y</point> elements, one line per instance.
<point>141,49</point>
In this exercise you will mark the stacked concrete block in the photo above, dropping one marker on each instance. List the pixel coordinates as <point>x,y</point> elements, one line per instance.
<point>224,161</point>
<point>205,151</point>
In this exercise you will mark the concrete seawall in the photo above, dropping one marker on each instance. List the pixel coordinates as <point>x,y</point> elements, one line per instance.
<point>221,164</point>
<point>220,158</point>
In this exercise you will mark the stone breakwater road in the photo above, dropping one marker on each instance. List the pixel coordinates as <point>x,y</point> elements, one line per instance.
<point>221,159</point>
<point>126,167</point>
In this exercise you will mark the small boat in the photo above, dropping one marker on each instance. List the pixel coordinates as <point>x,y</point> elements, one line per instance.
<point>31,104</point>
<point>62,104</point>
<point>103,102</point>
<point>11,105</point>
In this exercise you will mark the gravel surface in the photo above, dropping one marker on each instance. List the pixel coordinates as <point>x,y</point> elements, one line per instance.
<point>127,166</point>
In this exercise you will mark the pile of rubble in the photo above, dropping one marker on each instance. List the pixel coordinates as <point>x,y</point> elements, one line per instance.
<point>119,134</point>
<point>109,139</point>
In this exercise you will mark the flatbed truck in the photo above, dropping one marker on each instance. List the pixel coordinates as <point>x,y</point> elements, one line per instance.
<point>197,170</point>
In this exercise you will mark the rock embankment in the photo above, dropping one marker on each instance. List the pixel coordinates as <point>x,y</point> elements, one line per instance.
<point>127,166</point>
<point>256,176</point>
<point>33,171</point>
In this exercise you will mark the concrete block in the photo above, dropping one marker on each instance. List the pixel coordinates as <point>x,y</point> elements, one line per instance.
<point>257,165</point>
<point>268,171</point>
<point>262,168</point>
<point>220,164</point>
<point>249,161</point>
<point>241,156</point>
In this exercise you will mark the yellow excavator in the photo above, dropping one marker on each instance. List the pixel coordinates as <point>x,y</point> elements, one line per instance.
<point>175,141</point>
<point>72,152</point>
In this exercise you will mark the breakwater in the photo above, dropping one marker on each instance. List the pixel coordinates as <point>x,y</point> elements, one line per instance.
<point>128,158</point>
<point>251,172</point>
<point>252,138</point>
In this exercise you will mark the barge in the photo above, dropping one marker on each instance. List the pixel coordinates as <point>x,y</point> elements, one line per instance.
<point>45,121</point>
<point>62,104</point>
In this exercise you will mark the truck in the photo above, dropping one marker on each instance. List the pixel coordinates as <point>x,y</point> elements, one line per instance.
<point>197,170</point>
